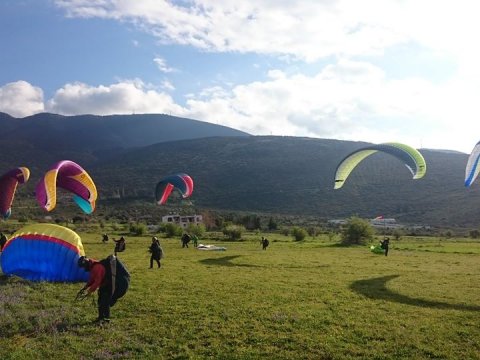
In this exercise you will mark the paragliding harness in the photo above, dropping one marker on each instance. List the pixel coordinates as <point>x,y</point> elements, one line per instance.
<point>116,276</point>
<point>120,245</point>
<point>384,244</point>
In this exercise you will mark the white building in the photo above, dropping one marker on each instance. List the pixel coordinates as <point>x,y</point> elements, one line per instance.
<point>388,223</point>
<point>183,220</point>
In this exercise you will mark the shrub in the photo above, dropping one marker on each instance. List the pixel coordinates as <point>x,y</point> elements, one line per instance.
<point>313,231</point>
<point>397,234</point>
<point>272,224</point>
<point>198,230</point>
<point>233,232</point>
<point>138,229</point>
<point>298,233</point>
<point>357,232</point>
<point>172,230</point>
<point>331,235</point>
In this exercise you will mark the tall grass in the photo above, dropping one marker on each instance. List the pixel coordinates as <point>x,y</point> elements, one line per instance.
<point>296,300</point>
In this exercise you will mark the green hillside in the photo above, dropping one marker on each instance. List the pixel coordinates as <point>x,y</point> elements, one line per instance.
<point>127,155</point>
<point>295,176</point>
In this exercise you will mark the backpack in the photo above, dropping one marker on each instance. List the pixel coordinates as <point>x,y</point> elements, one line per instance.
<point>116,276</point>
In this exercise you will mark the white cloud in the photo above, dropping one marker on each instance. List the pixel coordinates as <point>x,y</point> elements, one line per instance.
<point>121,98</point>
<point>349,100</point>
<point>307,29</point>
<point>162,65</point>
<point>21,99</point>
<point>167,85</point>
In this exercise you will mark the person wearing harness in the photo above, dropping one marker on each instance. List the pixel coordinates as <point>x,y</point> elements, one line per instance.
<point>110,277</point>
<point>156,252</point>
<point>97,280</point>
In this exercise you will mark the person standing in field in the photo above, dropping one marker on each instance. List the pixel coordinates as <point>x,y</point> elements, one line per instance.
<point>195,240</point>
<point>265,243</point>
<point>156,252</point>
<point>119,245</point>
<point>384,245</point>
<point>185,240</point>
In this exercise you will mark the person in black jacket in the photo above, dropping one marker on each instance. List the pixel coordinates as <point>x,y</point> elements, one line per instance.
<point>119,245</point>
<point>156,252</point>
<point>384,245</point>
<point>265,243</point>
<point>185,240</point>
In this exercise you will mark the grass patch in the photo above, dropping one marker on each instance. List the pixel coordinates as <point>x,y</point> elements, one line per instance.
<point>305,300</point>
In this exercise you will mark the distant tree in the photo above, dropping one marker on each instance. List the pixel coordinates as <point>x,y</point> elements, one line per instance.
<point>78,219</point>
<point>209,220</point>
<point>138,229</point>
<point>357,232</point>
<point>397,234</point>
<point>251,222</point>
<point>23,219</point>
<point>331,235</point>
<point>272,224</point>
<point>219,222</point>
<point>313,231</point>
<point>234,232</point>
<point>474,234</point>
<point>198,230</point>
<point>298,233</point>
<point>172,230</point>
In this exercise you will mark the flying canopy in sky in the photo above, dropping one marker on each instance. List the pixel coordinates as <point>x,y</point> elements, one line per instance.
<point>69,176</point>
<point>8,186</point>
<point>44,252</point>
<point>411,157</point>
<point>181,182</point>
<point>472,169</point>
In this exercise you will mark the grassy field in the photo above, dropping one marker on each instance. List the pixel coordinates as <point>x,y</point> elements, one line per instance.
<point>308,300</point>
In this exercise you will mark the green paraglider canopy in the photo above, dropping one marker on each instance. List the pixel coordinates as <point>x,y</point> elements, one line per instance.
<point>377,249</point>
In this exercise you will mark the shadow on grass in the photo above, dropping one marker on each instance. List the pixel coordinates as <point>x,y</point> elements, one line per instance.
<point>225,261</point>
<point>376,289</point>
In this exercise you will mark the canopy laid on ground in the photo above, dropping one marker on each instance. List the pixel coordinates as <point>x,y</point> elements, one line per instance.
<point>377,249</point>
<point>211,247</point>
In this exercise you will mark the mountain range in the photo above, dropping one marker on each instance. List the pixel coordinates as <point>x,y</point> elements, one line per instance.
<point>127,155</point>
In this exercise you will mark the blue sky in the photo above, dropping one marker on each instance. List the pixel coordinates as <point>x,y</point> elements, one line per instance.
<point>375,70</point>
